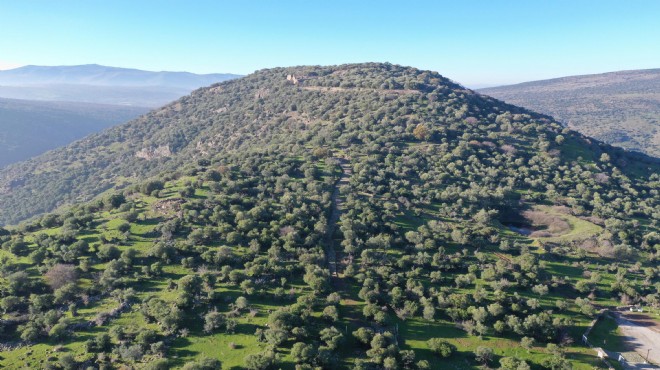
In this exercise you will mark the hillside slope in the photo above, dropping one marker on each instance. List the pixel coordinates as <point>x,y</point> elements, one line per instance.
<point>361,216</point>
<point>29,128</point>
<point>620,108</point>
<point>255,111</point>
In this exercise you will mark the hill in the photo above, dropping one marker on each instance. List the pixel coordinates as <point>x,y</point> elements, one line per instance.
<point>101,84</point>
<point>358,216</point>
<point>29,128</point>
<point>620,108</point>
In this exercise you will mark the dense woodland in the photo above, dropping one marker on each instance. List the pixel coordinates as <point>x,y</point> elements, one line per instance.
<point>357,216</point>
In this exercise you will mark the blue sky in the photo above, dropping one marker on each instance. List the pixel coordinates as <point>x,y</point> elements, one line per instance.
<point>473,42</point>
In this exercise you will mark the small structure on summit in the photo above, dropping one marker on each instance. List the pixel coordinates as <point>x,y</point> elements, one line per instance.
<point>292,78</point>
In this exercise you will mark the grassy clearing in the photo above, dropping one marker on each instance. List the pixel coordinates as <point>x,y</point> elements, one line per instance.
<point>579,229</point>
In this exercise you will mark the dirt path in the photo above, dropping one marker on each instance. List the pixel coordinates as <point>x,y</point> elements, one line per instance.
<point>640,338</point>
<point>337,207</point>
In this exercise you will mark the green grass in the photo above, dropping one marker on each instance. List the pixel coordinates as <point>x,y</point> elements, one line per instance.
<point>606,334</point>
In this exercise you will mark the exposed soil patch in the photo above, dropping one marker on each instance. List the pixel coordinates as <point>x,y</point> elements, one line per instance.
<point>168,206</point>
<point>546,225</point>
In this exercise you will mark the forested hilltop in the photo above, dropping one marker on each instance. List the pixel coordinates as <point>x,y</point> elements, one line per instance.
<point>366,216</point>
<point>620,108</point>
<point>263,109</point>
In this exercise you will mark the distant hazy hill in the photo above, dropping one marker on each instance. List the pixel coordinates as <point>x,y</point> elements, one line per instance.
<point>620,108</point>
<point>29,128</point>
<point>100,84</point>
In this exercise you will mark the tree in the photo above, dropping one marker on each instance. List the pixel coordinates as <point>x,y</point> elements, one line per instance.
<point>331,313</point>
<point>103,342</point>
<point>428,313</point>
<point>441,347</point>
<point>169,317</point>
<point>331,336</point>
<point>483,354</point>
<point>527,343</point>
<point>60,274</point>
<point>18,282</point>
<point>421,132</point>
<point>10,303</point>
<point>68,362</point>
<point>364,335</point>
<point>190,288</point>
<point>146,337</point>
<point>159,364</point>
<point>540,289</point>
<point>557,362</point>
<point>302,352</point>
<point>213,321</point>
<point>116,200</point>
<point>389,363</point>
<point>241,303</point>
<point>511,363</point>
<point>108,252</point>
<point>149,187</point>
<point>260,361</point>
<point>130,352</point>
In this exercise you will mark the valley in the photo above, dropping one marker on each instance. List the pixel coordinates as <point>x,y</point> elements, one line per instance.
<point>30,128</point>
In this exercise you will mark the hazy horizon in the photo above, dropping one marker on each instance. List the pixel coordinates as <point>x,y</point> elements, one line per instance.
<point>474,86</point>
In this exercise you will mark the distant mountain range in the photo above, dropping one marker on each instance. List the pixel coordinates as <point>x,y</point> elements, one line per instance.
<point>61,104</point>
<point>94,83</point>
<point>620,108</point>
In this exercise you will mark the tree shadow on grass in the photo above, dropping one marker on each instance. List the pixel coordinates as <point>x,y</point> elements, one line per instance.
<point>418,330</point>
<point>177,353</point>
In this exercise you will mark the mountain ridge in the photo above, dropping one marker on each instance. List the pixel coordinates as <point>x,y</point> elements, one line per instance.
<point>95,74</point>
<point>95,83</point>
<point>621,108</point>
